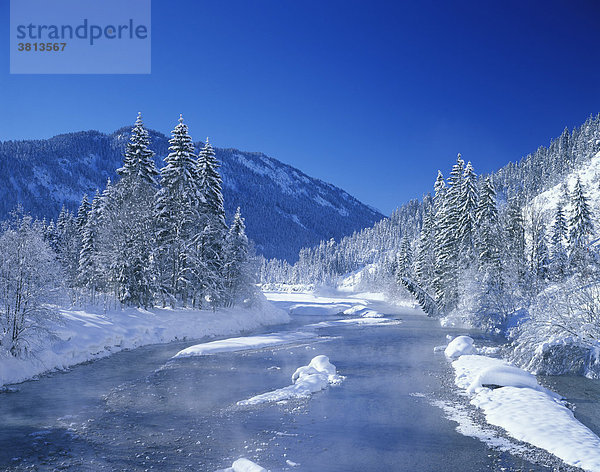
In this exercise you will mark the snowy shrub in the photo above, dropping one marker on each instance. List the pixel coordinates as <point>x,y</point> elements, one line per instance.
<point>562,334</point>
<point>29,275</point>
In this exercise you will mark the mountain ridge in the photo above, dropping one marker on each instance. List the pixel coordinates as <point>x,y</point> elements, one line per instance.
<point>285,209</point>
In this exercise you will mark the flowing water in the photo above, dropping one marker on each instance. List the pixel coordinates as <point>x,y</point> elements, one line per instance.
<point>137,410</point>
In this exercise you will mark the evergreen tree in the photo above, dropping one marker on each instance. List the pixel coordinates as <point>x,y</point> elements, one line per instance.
<point>580,230</point>
<point>138,161</point>
<point>67,245</point>
<point>425,256</point>
<point>515,269</point>
<point>177,216</point>
<point>89,274</point>
<point>405,259</point>
<point>559,256</point>
<point>467,214</point>
<point>491,293</point>
<point>449,237</point>
<point>209,247</point>
<point>82,214</point>
<point>238,279</point>
<point>439,230</point>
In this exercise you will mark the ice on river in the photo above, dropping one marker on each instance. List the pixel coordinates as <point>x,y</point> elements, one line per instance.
<point>244,343</point>
<point>306,380</point>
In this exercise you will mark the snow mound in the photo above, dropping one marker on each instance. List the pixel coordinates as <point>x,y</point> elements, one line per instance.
<point>468,367</point>
<point>363,311</point>
<point>243,343</point>
<point>244,465</point>
<point>504,376</point>
<point>318,309</point>
<point>355,310</point>
<point>459,346</point>
<point>306,380</point>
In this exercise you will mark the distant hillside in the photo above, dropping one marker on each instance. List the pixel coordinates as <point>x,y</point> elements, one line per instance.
<point>284,208</point>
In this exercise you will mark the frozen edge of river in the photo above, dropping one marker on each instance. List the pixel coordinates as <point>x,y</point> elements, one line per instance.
<point>83,335</point>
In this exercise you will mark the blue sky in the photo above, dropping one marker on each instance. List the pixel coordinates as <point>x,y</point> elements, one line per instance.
<point>373,96</point>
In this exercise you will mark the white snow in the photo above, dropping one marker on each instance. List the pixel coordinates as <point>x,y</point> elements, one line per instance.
<point>84,335</point>
<point>589,175</point>
<point>358,321</point>
<point>527,411</point>
<point>318,309</point>
<point>504,376</point>
<point>459,346</point>
<point>362,310</point>
<point>537,418</point>
<point>306,380</point>
<point>244,465</point>
<point>244,343</point>
<point>356,309</point>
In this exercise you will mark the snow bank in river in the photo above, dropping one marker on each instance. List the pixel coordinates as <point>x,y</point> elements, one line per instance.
<point>243,343</point>
<point>84,335</point>
<point>308,379</point>
<point>537,418</point>
<point>357,321</point>
<point>459,346</point>
<point>318,309</point>
<point>244,465</point>
<point>527,411</point>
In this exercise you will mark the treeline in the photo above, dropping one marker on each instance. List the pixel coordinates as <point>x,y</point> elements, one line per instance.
<point>489,261</point>
<point>157,237</point>
<point>150,238</point>
<point>488,251</point>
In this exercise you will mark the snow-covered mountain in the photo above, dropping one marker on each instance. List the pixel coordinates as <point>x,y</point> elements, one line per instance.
<point>284,208</point>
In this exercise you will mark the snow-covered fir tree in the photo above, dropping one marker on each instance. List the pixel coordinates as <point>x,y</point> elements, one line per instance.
<point>580,230</point>
<point>177,216</point>
<point>238,272</point>
<point>209,246</point>
<point>558,253</point>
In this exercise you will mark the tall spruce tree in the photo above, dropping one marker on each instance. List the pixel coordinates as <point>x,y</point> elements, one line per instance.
<point>425,261</point>
<point>558,255</point>
<point>238,277</point>
<point>467,215</point>
<point>130,234</point>
<point>89,274</point>
<point>82,214</point>
<point>177,217</point>
<point>580,230</point>
<point>209,247</point>
<point>515,269</point>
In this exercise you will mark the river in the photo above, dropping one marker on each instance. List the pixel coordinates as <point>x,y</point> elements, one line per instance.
<point>136,410</point>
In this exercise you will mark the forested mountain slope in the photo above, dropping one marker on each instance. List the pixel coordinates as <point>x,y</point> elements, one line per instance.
<point>284,208</point>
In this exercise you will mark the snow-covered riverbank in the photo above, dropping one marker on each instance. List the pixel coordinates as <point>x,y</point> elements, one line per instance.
<point>512,399</point>
<point>84,335</point>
